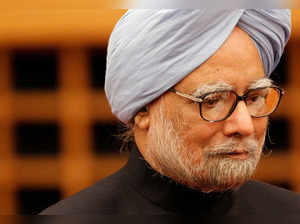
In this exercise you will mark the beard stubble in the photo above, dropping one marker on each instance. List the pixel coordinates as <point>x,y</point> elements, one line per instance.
<point>206,169</point>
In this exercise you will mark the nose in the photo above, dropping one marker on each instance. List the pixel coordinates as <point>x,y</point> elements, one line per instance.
<point>240,122</point>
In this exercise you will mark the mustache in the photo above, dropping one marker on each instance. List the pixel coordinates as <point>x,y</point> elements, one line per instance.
<point>249,145</point>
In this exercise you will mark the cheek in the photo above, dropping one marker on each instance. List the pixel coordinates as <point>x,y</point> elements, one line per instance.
<point>194,132</point>
<point>260,125</point>
<point>197,136</point>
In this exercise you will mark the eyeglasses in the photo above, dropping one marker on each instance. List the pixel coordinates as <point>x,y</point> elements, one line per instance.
<point>219,105</point>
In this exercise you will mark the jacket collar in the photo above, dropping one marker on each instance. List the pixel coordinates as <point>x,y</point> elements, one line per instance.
<point>170,195</point>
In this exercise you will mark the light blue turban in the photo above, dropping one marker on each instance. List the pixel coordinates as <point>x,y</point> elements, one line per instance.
<point>150,51</point>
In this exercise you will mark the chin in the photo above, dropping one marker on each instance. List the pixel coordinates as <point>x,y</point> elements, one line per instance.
<point>215,188</point>
<point>219,177</point>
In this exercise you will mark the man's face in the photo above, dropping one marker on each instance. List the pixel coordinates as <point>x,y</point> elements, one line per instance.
<point>194,152</point>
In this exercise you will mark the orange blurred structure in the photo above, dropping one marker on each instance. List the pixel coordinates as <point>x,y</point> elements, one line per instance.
<point>71,29</point>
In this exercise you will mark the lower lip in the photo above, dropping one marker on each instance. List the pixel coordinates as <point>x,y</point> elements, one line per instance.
<point>238,155</point>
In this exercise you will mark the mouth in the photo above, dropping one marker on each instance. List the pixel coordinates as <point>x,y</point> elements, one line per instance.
<point>236,154</point>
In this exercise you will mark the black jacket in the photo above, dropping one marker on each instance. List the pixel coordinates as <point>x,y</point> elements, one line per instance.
<point>138,190</point>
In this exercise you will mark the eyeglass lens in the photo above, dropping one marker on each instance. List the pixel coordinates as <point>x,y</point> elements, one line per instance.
<point>260,102</point>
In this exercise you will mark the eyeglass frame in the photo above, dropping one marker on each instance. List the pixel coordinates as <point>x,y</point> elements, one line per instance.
<point>239,98</point>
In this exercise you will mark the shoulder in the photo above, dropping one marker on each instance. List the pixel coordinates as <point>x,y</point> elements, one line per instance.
<point>267,196</point>
<point>258,202</point>
<point>104,197</point>
<point>269,190</point>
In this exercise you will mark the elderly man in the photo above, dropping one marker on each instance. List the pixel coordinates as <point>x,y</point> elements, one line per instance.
<point>193,87</point>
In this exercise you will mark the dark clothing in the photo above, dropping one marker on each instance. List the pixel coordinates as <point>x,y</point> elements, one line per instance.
<point>138,190</point>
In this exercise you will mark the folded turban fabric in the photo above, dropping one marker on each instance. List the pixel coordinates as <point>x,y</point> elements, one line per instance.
<point>150,51</point>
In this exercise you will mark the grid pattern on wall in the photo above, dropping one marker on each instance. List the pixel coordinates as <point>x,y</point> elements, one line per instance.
<point>57,131</point>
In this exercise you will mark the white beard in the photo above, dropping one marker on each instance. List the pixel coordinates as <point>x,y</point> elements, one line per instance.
<point>204,170</point>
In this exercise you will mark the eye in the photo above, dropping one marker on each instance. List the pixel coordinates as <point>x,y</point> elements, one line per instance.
<point>257,97</point>
<point>211,102</point>
<point>254,98</point>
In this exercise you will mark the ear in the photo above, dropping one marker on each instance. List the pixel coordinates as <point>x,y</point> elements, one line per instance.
<point>142,120</point>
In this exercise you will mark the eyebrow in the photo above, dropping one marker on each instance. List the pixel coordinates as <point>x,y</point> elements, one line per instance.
<point>260,83</point>
<point>207,88</point>
<point>223,86</point>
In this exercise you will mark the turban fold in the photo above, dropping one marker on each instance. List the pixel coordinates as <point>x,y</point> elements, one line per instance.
<point>150,51</point>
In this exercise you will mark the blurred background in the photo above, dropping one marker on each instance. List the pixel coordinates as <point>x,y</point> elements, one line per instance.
<point>57,134</point>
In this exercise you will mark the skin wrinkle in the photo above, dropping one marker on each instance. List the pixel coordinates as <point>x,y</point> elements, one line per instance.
<point>172,158</point>
<point>220,173</point>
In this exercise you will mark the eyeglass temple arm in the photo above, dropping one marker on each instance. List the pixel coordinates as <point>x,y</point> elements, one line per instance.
<point>186,95</point>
